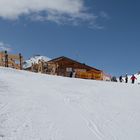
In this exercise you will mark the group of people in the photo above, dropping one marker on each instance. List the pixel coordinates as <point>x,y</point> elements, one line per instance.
<point>133,78</point>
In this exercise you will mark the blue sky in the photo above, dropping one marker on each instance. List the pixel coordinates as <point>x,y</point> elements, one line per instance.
<point>103,34</point>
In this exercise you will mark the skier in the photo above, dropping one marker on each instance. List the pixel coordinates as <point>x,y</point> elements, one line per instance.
<point>126,78</point>
<point>133,78</point>
<point>120,79</point>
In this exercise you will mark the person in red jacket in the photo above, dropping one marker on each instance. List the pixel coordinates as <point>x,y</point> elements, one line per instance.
<point>133,78</point>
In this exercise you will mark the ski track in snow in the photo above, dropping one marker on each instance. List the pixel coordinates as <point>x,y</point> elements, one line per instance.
<point>17,123</point>
<point>92,126</point>
<point>74,101</point>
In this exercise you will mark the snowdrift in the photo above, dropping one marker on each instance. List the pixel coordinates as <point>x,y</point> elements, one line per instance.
<point>42,107</point>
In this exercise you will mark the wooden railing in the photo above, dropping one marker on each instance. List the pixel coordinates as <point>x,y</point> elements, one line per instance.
<point>10,60</point>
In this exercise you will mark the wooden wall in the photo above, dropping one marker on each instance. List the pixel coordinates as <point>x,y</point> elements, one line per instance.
<point>64,67</point>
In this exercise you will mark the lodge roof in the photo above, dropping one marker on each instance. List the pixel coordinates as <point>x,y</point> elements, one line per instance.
<point>69,59</point>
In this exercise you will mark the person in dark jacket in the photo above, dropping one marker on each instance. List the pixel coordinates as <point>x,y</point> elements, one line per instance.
<point>126,78</point>
<point>133,78</point>
<point>120,79</point>
<point>71,73</point>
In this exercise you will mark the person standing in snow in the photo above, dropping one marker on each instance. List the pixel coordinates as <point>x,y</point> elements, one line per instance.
<point>71,74</point>
<point>120,79</point>
<point>126,78</point>
<point>133,78</point>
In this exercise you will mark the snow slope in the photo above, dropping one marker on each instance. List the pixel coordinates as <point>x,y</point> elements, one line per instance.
<point>41,107</point>
<point>35,59</point>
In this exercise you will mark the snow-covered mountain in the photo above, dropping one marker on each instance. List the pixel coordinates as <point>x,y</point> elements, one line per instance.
<point>35,59</point>
<point>44,107</point>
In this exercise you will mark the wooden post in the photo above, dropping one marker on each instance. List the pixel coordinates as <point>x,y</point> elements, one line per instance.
<point>32,68</point>
<point>6,59</point>
<point>20,60</point>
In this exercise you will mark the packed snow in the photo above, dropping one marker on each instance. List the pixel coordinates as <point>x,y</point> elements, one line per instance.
<point>35,59</point>
<point>43,107</point>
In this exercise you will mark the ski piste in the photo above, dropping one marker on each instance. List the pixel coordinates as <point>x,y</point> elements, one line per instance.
<point>37,106</point>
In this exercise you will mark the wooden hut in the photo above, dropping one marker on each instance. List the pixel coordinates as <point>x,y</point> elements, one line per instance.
<point>65,66</point>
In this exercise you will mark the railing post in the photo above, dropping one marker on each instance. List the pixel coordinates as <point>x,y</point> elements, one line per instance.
<point>6,59</point>
<point>20,61</point>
